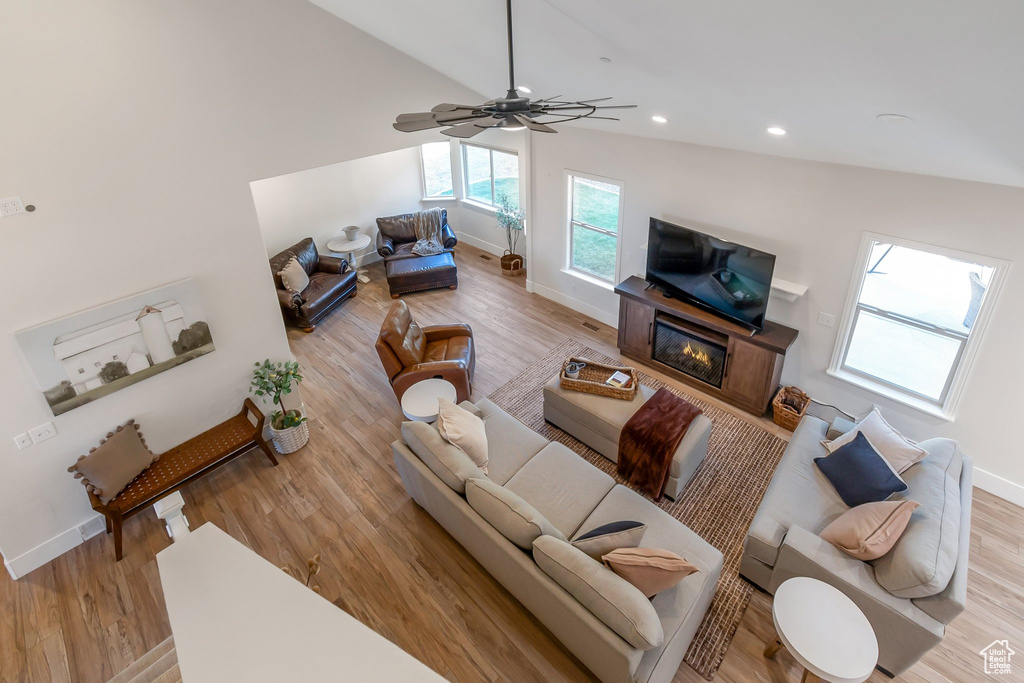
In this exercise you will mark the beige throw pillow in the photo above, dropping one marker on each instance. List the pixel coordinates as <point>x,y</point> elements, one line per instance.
<point>513,517</point>
<point>450,464</point>
<point>293,276</point>
<point>651,570</point>
<point>464,430</point>
<point>870,530</point>
<point>114,463</point>
<point>898,450</point>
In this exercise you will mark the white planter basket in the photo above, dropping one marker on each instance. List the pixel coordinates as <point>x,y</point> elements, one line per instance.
<point>290,440</point>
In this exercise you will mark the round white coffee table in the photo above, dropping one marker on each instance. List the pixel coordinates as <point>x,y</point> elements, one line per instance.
<point>420,401</point>
<point>824,631</point>
<point>343,245</point>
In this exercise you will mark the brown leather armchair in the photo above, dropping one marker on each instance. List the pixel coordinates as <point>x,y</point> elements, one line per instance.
<point>331,282</point>
<point>410,353</point>
<point>408,272</point>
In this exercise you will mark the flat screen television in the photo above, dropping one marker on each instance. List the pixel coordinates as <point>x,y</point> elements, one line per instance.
<point>724,277</point>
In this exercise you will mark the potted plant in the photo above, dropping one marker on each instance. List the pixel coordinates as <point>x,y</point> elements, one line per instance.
<point>288,428</point>
<point>510,219</point>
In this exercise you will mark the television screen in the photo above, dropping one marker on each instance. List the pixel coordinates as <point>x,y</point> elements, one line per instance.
<point>731,279</point>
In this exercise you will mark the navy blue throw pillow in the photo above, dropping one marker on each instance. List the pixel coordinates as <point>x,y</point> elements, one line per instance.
<point>610,528</point>
<point>859,474</point>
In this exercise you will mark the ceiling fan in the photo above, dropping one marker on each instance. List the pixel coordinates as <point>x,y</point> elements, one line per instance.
<point>511,112</point>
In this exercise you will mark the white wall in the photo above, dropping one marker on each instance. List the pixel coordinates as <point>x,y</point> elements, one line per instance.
<point>136,128</point>
<point>320,202</point>
<point>812,215</point>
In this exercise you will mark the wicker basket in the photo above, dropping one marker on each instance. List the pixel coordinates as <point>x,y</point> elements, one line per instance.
<point>290,440</point>
<point>788,406</point>
<point>593,377</point>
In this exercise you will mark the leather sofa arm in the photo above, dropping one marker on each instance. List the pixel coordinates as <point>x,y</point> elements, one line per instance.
<point>289,300</point>
<point>385,246</point>
<point>448,238</point>
<point>438,332</point>
<point>435,368</point>
<point>333,265</point>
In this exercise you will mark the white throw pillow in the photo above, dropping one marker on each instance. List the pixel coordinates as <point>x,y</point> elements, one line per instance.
<point>464,430</point>
<point>898,450</point>
<point>293,276</point>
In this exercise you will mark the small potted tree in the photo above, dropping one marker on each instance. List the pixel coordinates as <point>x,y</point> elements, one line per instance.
<point>510,219</point>
<point>288,428</point>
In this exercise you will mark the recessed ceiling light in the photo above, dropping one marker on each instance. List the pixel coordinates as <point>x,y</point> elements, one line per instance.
<point>775,130</point>
<point>524,89</point>
<point>606,60</point>
<point>659,119</point>
<point>894,118</point>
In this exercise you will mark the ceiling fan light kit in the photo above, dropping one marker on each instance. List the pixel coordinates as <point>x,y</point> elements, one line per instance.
<point>511,112</point>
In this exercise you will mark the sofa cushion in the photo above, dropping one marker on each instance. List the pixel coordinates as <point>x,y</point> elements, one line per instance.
<point>859,473</point>
<point>618,604</point>
<point>448,462</point>
<point>651,570</point>
<point>798,495</point>
<point>510,443</point>
<point>562,485</point>
<point>513,517</point>
<point>871,530</point>
<point>608,537</point>
<point>464,430</point>
<point>923,560</point>
<point>897,449</point>
<point>403,335</point>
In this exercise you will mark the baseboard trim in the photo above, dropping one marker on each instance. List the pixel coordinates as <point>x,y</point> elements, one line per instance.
<point>472,241</point>
<point>997,486</point>
<point>594,312</point>
<point>55,547</point>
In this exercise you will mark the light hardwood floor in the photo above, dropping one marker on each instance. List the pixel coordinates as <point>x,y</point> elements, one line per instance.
<point>84,617</point>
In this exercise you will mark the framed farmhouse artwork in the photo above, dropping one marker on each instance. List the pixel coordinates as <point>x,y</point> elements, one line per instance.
<point>92,354</point>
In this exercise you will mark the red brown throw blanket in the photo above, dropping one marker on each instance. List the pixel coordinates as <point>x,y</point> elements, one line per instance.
<point>650,438</point>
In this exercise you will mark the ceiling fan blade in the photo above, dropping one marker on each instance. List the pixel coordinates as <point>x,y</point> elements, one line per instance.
<point>417,116</point>
<point>465,130</point>
<point>596,99</point>
<point>452,107</point>
<point>589,106</point>
<point>448,118</point>
<point>533,125</point>
<point>413,126</point>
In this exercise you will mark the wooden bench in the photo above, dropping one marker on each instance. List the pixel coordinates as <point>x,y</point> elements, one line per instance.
<point>184,464</point>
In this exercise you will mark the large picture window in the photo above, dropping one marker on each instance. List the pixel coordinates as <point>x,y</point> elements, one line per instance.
<point>436,160</point>
<point>489,175</point>
<point>914,320</point>
<point>594,218</point>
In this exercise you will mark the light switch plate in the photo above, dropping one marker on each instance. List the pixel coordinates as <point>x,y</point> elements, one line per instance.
<point>43,432</point>
<point>23,440</point>
<point>826,319</point>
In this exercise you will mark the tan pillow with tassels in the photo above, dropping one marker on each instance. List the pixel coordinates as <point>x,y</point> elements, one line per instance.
<point>113,464</point>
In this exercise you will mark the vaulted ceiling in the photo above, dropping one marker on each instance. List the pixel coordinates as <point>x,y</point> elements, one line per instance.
<point>722,72</point>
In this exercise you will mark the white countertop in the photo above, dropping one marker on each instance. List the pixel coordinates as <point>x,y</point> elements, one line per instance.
<point>237,617</point>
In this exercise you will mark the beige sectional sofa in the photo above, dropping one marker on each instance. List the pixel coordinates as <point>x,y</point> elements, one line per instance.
<point>909,594</point>
<point>542,495</point>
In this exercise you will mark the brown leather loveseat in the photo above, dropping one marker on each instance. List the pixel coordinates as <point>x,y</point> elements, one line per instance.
<point>410,353</point>
<point>331,281</point>
<point>407,272</point>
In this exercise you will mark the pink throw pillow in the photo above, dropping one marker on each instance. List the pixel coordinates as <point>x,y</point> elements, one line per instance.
<point>870,530</point>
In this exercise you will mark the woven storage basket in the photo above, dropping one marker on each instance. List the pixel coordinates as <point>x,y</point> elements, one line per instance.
<point>290,440</point>
<point>788,406</point>
<point>593,377</point>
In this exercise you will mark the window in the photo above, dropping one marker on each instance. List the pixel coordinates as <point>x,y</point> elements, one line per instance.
<point>594,214</point>
<point>914,320</point>
<point>490,174</point>
<point>436,160</point>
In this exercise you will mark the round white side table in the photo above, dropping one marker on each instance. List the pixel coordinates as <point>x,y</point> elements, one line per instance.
<point>420,401</point>
<point>342,245</point>
<point>824,631</point>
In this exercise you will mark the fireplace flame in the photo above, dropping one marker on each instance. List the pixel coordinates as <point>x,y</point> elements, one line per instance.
<point>697,355</point>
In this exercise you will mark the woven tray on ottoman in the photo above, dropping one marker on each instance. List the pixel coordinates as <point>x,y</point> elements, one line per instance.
<point>593,378</point>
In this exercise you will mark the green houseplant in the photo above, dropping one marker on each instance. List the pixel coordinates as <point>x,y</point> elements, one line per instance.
<point>274,381</point>
<point>510,219</point>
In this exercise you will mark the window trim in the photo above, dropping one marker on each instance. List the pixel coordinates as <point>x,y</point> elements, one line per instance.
<point>572,224</point>
<point>947,406</point>
<point>423,174</point>
<point>491,149</point>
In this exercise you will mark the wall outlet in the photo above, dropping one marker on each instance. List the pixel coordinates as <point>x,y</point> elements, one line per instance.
<point>572,288</point>
<point>43,432</point>
<point>11,206</point>
<point>23,440</point>
<point>826,319</point>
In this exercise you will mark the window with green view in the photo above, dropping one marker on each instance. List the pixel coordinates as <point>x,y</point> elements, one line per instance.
<point>490,174</point>
<point>594,209</point>
<point>437,169</point>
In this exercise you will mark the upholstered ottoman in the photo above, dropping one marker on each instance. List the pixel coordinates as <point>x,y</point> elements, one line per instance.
<point>598,420</point>
<point>419,273</point>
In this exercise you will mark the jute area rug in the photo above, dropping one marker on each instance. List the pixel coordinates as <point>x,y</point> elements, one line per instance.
<point>718,504</point>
